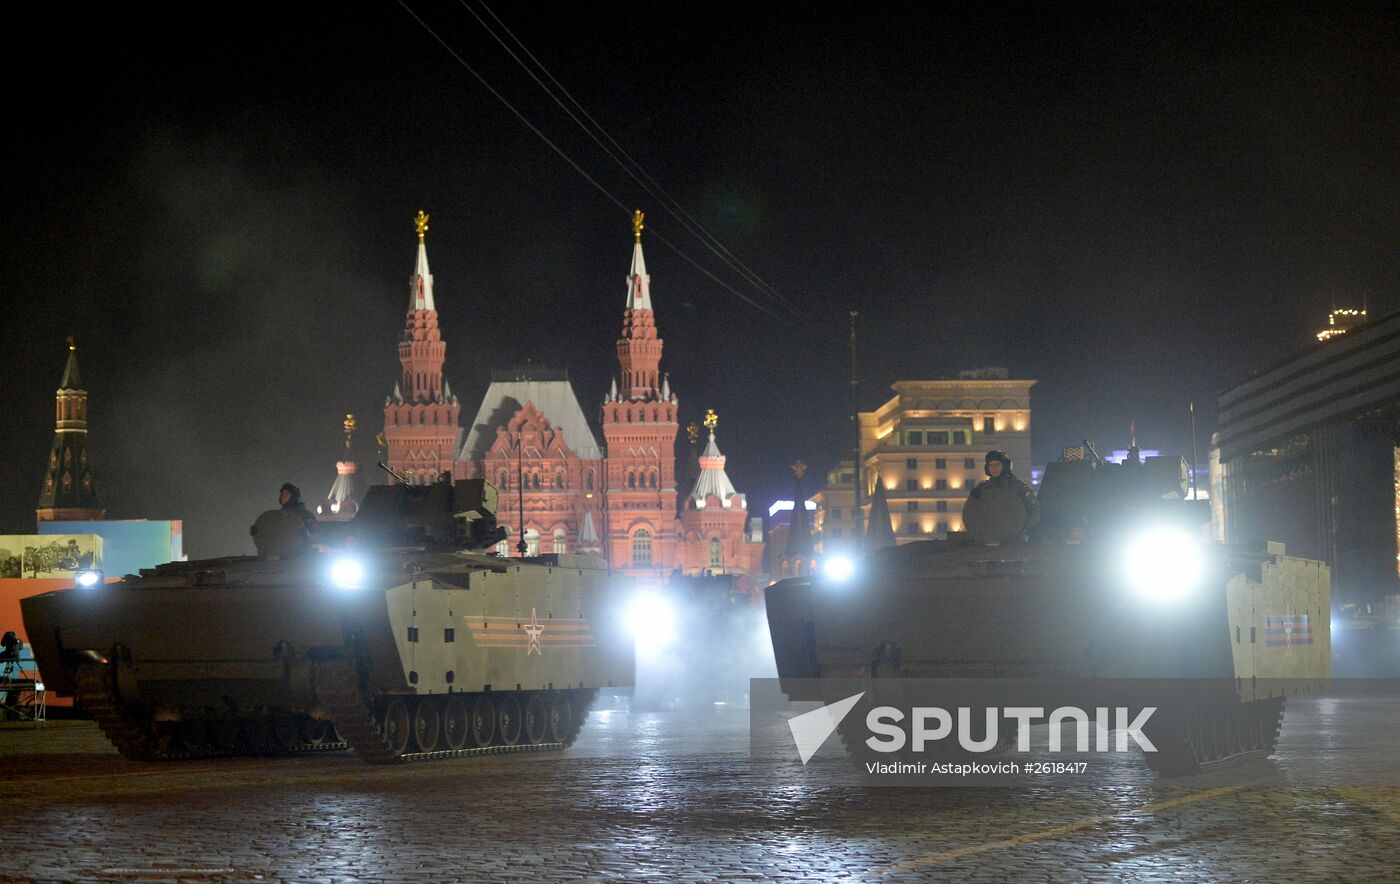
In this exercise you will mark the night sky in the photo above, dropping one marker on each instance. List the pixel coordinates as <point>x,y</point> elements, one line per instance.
<point>1137,207</point>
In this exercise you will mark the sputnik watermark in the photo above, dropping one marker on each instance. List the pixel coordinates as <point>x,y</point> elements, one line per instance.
<point>892,729</point>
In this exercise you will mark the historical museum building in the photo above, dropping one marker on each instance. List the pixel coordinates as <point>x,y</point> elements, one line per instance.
<point>558,483</point>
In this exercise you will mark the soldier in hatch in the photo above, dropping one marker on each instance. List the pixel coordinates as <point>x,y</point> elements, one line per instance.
<point>999,475</point>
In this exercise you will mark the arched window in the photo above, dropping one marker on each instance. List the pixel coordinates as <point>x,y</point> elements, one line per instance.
<point>503,548</point>
<point>651,479</point>
<point>501,479</point>
<point>631,479</point>
<point>716,553</point>
<point>561,543</point>
<point>532,542</point>
<point>559,479</point>
<point>641,547</point>
<point>588,481</point>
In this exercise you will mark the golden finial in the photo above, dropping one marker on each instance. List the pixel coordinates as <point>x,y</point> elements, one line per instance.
<point>379,439</point>
<point>349,424</point>
<point>711,419</point>
<point>798,469</point>
<point>693,431</point>
<point>637,224</point>
<point>420,223</point>
<point>72,345</point>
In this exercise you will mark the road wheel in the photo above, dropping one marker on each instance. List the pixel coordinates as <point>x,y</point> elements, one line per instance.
<point>427,724</point>
<point>315,731</point>
<point>561,719</point>
<point>456,723</point>
<point>396,726</point>
<point>508,719</point>
<point>483,721</point>
<point>536,718</point>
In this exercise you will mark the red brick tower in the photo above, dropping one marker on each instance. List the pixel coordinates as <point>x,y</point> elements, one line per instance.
<point>713,518</point>
<point>68,493</point>
<point>639,430</point>
<point>421,417</point>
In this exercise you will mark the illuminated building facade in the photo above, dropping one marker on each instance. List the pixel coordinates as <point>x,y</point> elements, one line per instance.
<point>1306,453</point>
<point>927,445</point>
<point>557,484</point>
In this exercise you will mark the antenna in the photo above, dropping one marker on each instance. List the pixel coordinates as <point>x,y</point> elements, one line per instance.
<point>1193,451</point>
<point>856,514</point>
<point>400,479</point>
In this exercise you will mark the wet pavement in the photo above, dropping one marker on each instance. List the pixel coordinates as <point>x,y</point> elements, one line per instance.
<point>670,796</point>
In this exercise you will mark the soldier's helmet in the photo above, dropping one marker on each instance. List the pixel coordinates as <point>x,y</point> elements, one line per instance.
<point>996,454</point>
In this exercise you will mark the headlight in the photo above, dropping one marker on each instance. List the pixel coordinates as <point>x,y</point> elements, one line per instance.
<point>839,568</point>
<point>1163,563</point>
<point>88,577</point>
<point>651,618</point>
<point>347,572</point>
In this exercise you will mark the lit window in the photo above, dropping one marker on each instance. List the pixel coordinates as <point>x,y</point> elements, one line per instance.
<point>561,543</point>
<point>641,547</point>
<point>532,542</point>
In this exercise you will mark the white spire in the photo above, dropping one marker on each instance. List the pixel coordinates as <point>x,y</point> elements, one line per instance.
<point>713,479</point>
<point>420,285</point>
<point>612,393</point>
<point>666,387</point>
<point>638,282</point>
<point>398,394</point>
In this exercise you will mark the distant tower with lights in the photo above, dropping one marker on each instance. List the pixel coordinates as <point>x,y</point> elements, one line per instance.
<point>1342,320</point>
<point>421,415</point>
<point>340,505</point>
<point>69,491</point>
<point>639,429</point>
<point>799,555</point>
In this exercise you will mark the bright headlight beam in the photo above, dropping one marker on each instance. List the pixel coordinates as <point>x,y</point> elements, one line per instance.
<point>1163,563</point>
<point>88,578</point>
<point>839,567</point>
<point>347,572</point>
<point>651,619</point>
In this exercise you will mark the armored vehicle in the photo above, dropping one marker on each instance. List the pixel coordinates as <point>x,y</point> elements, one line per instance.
<point>1116,588</point>
<point>393,633</point>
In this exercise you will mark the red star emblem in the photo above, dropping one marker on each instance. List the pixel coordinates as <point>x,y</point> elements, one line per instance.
<point>534,630</point>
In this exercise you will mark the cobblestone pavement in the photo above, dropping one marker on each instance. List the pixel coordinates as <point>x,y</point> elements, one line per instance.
<point>666,796</point>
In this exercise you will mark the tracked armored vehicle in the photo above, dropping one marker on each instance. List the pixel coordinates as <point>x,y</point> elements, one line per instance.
<point>1114,596</point>
<point>392,634</point>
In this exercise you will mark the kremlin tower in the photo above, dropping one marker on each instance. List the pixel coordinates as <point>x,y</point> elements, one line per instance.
<point>69,492</point>
<point>421,415</point>
<point>639,429</point>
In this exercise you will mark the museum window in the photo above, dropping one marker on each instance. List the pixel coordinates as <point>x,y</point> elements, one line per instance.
<point>532,542</point>
<point>716,553</point>
<point>641,547</point>
<point>588,481</point>
<point>561,542</point>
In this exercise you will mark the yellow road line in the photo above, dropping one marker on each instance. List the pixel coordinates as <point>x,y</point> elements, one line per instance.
<point>1057,831</point>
